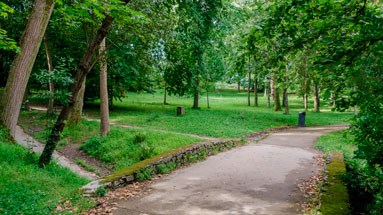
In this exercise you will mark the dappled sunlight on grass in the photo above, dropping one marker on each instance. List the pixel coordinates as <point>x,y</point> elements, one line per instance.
<point>229,115</point>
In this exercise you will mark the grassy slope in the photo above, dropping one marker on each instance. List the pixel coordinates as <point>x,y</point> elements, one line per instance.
<point>229,115</point>
<point>121,149</point>
<point>27,189</point>
<point>335,141</point>
<point>118,148</point>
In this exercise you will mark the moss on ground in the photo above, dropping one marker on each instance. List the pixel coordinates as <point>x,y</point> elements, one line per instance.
<point>335,199</point>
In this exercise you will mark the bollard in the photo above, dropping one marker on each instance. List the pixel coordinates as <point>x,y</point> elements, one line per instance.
<point>302,119</point>
<point>180,110</point>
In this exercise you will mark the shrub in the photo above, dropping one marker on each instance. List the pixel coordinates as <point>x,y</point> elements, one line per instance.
<point>93,144</point>
<point>147,151</point>
<point>139,137</point>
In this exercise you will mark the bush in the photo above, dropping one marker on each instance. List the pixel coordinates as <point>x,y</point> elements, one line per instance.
<point>139,137</point>
<point>367,130</point>
<point>365,187</point>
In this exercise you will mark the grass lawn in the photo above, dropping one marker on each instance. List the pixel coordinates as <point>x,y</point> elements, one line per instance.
<point>27,189</point>
<point>336,141</point>
<point>229,116</point>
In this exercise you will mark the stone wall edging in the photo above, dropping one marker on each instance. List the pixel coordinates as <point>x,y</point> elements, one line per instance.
<point>180,156</point>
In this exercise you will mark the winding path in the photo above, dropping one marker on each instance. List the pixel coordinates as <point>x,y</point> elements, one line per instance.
<point>257,179</point>
<point>29,142</point>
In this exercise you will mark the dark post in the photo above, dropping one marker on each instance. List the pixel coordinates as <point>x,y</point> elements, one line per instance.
<point>180,110</point>
<point>302,119</point>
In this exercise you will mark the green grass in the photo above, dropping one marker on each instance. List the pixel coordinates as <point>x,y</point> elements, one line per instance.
<point>125,147</point>
<point>228,117</point>
<point>27,189</point>
<point>336,141</point>
<point>121,148</point>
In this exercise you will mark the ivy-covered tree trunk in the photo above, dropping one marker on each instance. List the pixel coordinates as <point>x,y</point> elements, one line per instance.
<point>277,101</point>
<point>22,65</point>
<point>196,93</point>
<point>316,97</point>
<point>82,70</point>
<point>286,101</point>
<point>272,88</point>
<point>248,90</point>
<point>255,89</point>
<point>104,106</point>
<point>50,69</point>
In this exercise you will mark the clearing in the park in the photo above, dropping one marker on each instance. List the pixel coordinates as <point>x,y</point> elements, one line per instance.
<point>195,107</point>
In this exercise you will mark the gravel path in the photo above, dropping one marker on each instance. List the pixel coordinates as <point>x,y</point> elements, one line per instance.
<point>25,140</point>
<point>257,179</point>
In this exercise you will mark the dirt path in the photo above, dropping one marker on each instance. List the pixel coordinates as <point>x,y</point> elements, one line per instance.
<point>25,140</point>
<point>257,179</point>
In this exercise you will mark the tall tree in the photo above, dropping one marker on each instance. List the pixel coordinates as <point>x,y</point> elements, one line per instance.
<point>83,69</point>
<point>22,65</point>
<point>104,106</point>
<point>50,69</point>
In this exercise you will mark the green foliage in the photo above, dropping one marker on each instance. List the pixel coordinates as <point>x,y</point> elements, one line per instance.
<point>166,169</point>
<point>367,130</point>
<point>145,174</point>
<point>6,43</point>
<point>61,79</point>
<point>139,137</point>
<point>101,191</point>
<point>27,189</point>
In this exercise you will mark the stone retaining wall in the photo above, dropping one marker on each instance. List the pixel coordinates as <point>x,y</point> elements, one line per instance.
<point>177,157</point>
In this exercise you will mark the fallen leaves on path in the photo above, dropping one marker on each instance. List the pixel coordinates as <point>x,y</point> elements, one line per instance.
<point>107,204</point>
<point>310,187</point>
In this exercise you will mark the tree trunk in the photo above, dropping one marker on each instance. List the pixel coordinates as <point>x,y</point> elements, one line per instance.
<point>195,105</point>
<point>355,110</point>
<point>50,68</point>
<point>104,106</point>
<point>305,101</point>
<point>22,65</point>
<point>76,114</point>
<point>316,97</point>
<point>82,70</point>
<point>165,95</point>
<point>248,89</point>
<point>284,97</point>
<point>123,94</point>
<point>277,101</point>
<point>265,93</point>
<point>286,101</point>
<point>239,86</point>
<point>333,100</point>
<point>272,88</point>
<point>255,89</point>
